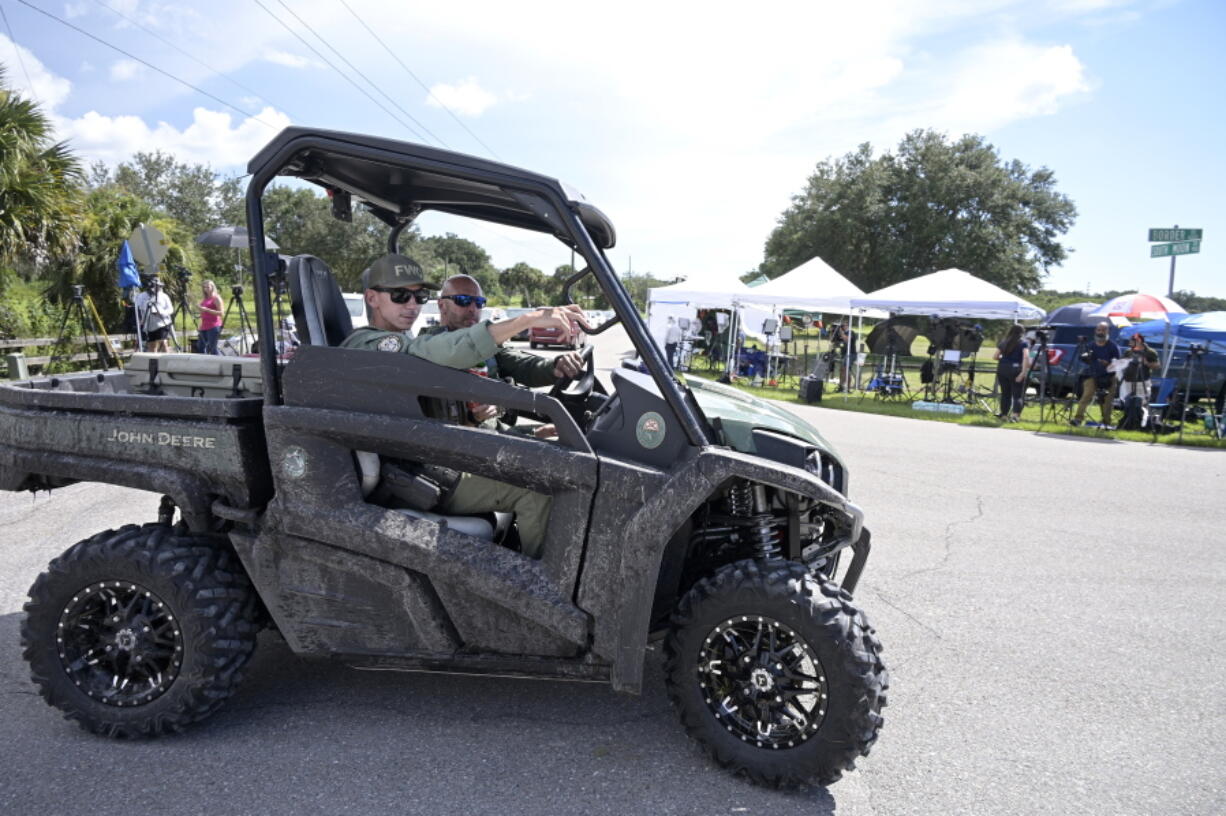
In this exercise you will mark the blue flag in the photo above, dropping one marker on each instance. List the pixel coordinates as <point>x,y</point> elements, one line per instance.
<point>128,273</point>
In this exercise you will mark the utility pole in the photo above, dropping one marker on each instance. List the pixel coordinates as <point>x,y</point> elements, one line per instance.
<point>1170,289</point>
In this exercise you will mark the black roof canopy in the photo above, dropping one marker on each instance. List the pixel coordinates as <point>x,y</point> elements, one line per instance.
<point>398,180</point>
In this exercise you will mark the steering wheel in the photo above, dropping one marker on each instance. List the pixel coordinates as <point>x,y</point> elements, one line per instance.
<point>575,390</point>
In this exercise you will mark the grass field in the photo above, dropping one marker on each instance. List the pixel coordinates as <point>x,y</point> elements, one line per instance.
<point>1194,434</point>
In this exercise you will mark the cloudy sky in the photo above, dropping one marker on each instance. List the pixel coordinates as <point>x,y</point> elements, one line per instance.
<point>690,124</point>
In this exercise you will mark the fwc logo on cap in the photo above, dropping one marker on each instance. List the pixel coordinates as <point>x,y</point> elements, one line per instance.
<point>402,270</point>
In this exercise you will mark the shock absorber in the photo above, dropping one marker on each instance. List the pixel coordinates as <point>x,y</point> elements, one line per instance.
<point>766,537</point>
<point>740,499</point>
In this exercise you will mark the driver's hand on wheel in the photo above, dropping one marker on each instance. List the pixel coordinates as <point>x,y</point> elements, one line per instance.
<point>480,412</point>
<point>568,365</point>
<point>549,431</point>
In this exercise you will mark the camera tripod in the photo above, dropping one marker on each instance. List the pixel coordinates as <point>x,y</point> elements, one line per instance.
<point>81,307</point>
<point>244,320</point>
<point>183,311</point>
<point>1194,361</point>
<point>1042,362</point>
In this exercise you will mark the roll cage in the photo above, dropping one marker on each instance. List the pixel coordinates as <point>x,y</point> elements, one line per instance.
<point>397,181</point>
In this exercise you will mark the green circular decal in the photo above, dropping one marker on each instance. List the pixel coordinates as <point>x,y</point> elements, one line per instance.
<point>650,430</point>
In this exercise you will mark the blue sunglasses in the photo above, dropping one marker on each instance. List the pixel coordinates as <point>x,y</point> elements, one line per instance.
<point>464,301</point>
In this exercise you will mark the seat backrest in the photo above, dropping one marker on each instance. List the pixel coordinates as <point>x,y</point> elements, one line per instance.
<point>1163,388</point>
<point>315,297</point>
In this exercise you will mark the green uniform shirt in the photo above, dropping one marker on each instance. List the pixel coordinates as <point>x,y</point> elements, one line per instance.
<point>528,370</point>
<point>466,348</point>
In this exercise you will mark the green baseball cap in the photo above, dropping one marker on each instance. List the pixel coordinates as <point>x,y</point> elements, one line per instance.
<point>394,271</point>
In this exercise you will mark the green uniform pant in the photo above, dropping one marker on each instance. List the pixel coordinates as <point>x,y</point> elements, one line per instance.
<point>477,494</point>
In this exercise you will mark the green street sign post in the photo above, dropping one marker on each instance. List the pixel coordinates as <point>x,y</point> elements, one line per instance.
<point>1180,248</point>
<point>1160,234</point>
<point>1183,242</point>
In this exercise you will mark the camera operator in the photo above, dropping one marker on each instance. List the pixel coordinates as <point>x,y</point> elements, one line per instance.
<point>842,344</point>
<point>1142,361</point>
<point>154,312</point>
<point>1098,380</point>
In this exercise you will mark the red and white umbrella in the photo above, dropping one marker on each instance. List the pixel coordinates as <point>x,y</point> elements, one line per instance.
<point>1138,306</point>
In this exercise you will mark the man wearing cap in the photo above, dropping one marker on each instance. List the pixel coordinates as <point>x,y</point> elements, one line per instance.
<point>459,304</point>
<point>395,292</point>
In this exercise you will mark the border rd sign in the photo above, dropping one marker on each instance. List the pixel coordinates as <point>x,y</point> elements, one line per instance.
<point>1160,234</point>
<point>1180,248</point>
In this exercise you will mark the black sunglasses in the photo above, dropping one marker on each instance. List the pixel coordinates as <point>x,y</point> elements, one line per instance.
<point>464,301</point>
<point>399,294</point>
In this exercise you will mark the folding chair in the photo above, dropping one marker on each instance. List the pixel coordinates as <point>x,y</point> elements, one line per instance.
<point>1161,391</point>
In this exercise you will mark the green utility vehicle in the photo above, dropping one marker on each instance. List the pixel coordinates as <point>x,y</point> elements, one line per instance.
<point>301,493</point>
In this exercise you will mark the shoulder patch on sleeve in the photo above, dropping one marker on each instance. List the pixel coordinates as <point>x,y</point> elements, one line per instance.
<point>393,342</point>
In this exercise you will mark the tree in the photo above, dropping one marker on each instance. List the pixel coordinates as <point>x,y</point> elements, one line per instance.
<point>110,215</point>
<point>301,221</point>
<point>194,195</point>
<point>460,256</point>
<point>934,204</point>
<point>528,282</point>
<point>637,286</point>
<point>40,184</point>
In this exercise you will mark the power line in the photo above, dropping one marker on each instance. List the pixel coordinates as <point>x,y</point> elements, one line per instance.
<point>356,70</point>
<point>426,88</point>
<point>190,56</point>
<point>17,51</point>
<point>345,76</point>
<point>150,65</point>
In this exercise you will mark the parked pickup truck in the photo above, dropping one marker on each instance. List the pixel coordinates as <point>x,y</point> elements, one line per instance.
<point>303,495</point>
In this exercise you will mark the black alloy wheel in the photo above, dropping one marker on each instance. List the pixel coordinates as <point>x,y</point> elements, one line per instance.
<point>119,643</point>
<point>762,682</point>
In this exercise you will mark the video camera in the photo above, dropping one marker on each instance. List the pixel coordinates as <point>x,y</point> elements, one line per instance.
<point>956,336</point>
<point>1196,350</point>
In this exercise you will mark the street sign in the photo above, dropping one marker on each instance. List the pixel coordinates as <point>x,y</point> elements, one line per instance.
<point>1180,248</point>
<point>1160,234</point>
<point>149,247</point>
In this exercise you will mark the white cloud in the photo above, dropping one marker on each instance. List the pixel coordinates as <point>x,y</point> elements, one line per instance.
<point>997,83</point>
<point>72,10</point>
<point>43,86</point>
<point>467,98</point>
<point>125,69</point>
<point>212,137</point>
<point>287,59</point>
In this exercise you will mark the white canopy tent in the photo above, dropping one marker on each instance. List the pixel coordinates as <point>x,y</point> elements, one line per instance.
<point>813,286</point>
<point>949,293</point>
<point>684,299</point>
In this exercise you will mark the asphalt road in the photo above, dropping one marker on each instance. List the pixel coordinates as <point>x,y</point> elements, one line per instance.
<point>1051,607</point>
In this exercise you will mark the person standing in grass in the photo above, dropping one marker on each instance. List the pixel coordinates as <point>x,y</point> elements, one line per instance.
<point>1012,368</point>
<point>211,312</point>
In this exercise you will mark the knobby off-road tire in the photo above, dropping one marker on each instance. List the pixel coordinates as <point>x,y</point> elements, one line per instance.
<point>140,631</point>
<point>775,673</point>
